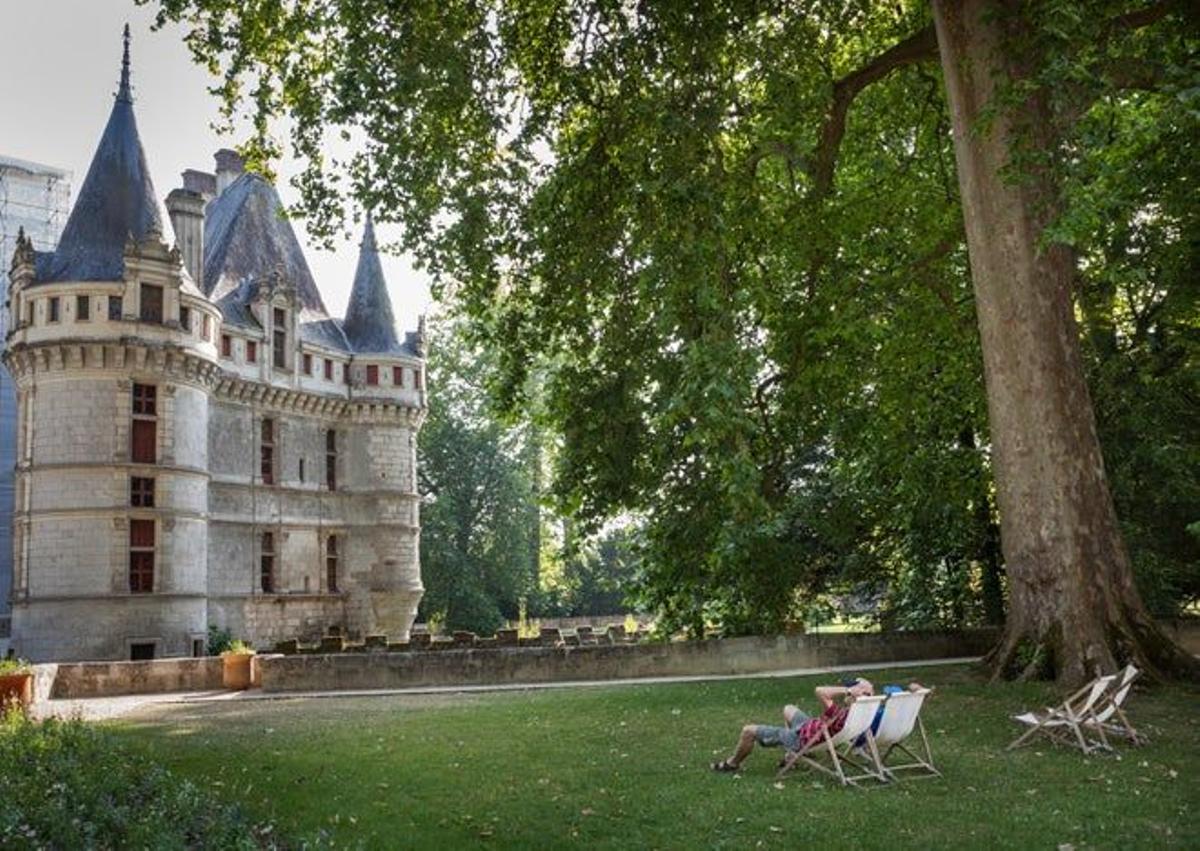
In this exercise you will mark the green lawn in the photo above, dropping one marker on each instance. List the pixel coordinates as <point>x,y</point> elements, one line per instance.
<point>626,767</point>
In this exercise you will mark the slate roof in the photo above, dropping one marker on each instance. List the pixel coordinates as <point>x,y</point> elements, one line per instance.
<point>245,237</point>
<point>116,200</point>
<point>369,325</point>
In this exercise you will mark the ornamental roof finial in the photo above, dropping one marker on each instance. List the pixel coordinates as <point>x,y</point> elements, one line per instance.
<point>124,92</point>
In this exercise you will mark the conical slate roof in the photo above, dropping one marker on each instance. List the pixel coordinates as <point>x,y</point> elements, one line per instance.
<point>117,200</point>
<point>245,237</point>
<point>369,325</point>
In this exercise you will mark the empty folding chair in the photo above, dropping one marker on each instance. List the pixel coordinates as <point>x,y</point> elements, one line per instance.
<point>1110,706</point>
<point>1065,723</point>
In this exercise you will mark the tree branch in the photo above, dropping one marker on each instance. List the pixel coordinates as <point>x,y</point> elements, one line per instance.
<point>919,47</point>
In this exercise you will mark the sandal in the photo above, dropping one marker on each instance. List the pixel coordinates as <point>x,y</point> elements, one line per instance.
<point>724,766</point>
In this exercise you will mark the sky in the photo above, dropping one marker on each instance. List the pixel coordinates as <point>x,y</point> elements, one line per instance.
<point>59,67</point>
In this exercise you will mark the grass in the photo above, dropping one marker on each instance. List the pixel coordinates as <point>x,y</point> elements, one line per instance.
<point>626,767</point>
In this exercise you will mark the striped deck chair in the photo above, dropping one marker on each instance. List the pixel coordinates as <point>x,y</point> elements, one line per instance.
<point>1066,722</point>
<point>1110,705</point>
<point>901,716</point>
<point>859,715</point>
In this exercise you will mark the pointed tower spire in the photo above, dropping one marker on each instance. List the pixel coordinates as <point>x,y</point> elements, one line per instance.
<point>116,202</point>
<point>369,325</point>
<point>124,93</point>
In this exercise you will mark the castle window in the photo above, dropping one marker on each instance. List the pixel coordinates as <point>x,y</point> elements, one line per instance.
<point>83,308</point>
<point>141,556</point>
<point>331,562</point>
<point>114,307</point>
<point>418,379</point>
<point>141,492</point>
<point>152,303</point>
<point>141,651</point>
<point>328,367</point>
<point>279,338</point>
<point>267,452</point>
<point>308,364</point>
<point>145,423</point>
<point>53,309</point>
<point>398,376</point>
<point>206,328</point>
<point>251,351</point>
<point>372,374</point>
<point>185,318</point>
<point>266,563</point>
<point>226,346</point>
<point>29,312</point>
<point>331,459</point>
<point>346,372</point>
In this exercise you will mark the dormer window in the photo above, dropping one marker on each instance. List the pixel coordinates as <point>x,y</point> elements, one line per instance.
<point>279,338</point>
<point>152,303</point>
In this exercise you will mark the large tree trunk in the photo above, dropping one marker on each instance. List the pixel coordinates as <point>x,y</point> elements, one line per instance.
<point>1073,608</point>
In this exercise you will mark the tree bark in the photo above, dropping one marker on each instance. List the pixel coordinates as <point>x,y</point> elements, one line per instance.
<point>1074,610</point>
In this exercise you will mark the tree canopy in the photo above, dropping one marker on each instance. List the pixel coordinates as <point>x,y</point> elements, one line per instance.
<point>728,241</point>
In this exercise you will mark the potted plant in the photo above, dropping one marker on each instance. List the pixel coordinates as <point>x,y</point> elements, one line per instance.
<point>16,683</point>
<point>237,662</point>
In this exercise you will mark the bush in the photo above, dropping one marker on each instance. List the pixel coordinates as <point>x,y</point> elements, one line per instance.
<point>218,640</point>
<point>67,785</point>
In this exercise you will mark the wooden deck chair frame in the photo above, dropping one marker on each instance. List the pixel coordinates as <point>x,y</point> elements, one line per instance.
<point>1066,723</point>
<point>1111,704</point>
<point>858,721</point>
<point>920,756</point>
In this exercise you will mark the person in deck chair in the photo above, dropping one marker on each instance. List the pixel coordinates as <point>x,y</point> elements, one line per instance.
<point>799,730</point>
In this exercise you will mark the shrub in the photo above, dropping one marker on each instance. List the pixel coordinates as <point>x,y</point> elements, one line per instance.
<point>14,666</point>
<point>65,784</point>
<point>218,640</point>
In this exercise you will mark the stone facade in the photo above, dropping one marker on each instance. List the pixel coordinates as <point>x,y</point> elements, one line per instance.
<point>198,442</point>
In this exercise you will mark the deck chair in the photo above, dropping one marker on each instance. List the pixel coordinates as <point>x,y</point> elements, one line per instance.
<point>1110,706</point>
<point>859,716</point>
<point>901,716</point>
<point>1066,722</point>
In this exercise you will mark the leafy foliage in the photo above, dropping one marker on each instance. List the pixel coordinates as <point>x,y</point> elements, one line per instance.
<point>718,248</point>
<point>69,785</point>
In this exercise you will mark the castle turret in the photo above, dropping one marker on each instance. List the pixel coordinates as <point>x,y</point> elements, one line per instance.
<point>113,359</point>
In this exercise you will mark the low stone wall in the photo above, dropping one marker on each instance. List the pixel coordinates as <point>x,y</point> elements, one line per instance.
<point>377,665</point>
<point>71,680</point>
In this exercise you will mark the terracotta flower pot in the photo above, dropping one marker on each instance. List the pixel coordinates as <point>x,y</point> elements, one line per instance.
<point>16,688</point>
<point>236,670</point>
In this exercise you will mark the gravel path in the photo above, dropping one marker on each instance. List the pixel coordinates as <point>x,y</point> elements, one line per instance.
<point>102,708</point>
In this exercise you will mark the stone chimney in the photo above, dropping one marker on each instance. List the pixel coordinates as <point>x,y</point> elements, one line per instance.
<point>186,209</point>
<point>201,182</point>
<point>229,167</point>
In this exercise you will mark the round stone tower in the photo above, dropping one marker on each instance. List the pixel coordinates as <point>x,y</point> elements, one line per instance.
<point>111,347</point>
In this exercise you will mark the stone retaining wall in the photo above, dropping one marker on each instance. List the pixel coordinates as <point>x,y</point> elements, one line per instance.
<point>377,665</point>
<point>72,680</point>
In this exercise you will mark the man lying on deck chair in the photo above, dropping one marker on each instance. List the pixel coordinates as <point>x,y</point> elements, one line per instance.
<point>799,729</point>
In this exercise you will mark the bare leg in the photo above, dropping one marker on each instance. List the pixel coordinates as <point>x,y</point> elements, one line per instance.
<point>744,746</point>
<point>789,712</point>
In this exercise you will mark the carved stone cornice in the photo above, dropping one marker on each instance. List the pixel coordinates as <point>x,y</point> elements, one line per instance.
<point>26,361</point>
<point>288,400</point>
